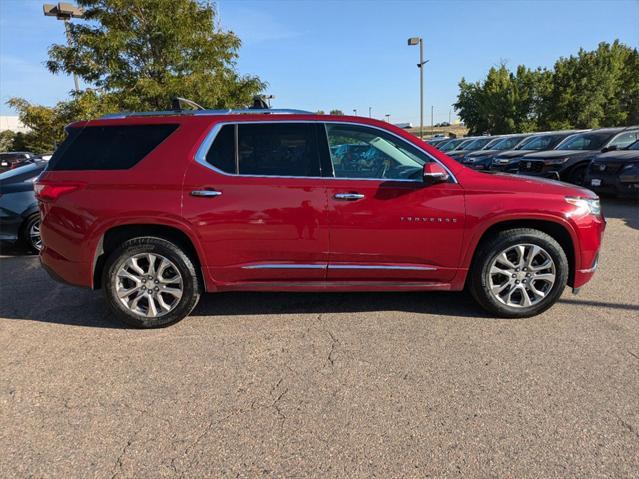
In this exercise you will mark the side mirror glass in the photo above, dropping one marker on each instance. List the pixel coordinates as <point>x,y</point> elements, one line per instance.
<point>435,173</point>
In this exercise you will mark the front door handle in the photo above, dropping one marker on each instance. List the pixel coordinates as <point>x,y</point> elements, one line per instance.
<point>348,196</point>
<point>206,193</point>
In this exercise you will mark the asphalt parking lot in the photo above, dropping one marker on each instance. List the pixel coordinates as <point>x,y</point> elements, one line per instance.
<point>324,385</point>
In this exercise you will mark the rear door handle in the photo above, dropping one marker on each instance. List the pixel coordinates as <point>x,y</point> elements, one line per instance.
<point>348,196</point>
<point>206,193</point>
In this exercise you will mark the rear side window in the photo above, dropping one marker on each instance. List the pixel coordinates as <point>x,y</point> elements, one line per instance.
<point>278,150</point>
<point>108,147</point>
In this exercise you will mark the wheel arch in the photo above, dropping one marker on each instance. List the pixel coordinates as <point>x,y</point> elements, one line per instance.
<point>559,231</point>
<point>116,235</point>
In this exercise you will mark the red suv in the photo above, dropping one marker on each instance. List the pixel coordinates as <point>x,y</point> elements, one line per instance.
<point>157,208</point>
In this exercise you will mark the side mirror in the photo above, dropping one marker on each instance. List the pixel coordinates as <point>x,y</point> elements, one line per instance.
<point>435,173</point>
<point>609,148</point>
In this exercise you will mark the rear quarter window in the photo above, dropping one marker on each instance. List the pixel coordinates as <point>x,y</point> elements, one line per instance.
<point>108,147</point>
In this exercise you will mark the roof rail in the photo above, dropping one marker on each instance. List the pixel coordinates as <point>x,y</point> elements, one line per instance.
<point>243,111</point>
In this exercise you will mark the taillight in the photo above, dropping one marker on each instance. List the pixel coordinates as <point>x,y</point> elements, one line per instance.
<point>46,191</point>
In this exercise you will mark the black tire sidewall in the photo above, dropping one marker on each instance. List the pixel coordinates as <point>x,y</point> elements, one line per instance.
<point>479,275</point>
<point>190,280</point>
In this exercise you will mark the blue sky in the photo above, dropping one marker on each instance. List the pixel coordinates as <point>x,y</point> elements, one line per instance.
<point>353,54</point>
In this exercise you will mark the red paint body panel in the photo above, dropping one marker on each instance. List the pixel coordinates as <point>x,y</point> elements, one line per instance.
<point>399,236</point>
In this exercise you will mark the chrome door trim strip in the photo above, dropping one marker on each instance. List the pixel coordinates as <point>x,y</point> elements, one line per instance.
<point>285,266</point>
<point>205,145</point>
<point>339,266</point>
<point>383,267</point>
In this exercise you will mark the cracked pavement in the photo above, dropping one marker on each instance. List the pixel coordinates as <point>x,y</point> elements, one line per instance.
<point>324,385</point>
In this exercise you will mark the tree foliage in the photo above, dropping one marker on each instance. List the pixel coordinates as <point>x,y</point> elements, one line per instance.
<point>137,55</point>
<point>592,89</point>
<point>337,112</point>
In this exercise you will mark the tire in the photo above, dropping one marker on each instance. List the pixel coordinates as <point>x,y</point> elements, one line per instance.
<point>577,175</point>
<point>30,233</point>
<point>132,260</point>
<point>533,282</point>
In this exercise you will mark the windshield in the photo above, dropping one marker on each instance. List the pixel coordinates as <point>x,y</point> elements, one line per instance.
<point>34,168</point>
<point>507,143</point>
<point>449,145</point>
<point>476,144</point>
<point>584,141</point>
<point>541,142</point>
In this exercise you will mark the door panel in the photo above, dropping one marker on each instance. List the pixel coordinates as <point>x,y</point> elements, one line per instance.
<point>397,231</point>
<point>262,224</point>
<point>259,229</point>
<point>385,223</point>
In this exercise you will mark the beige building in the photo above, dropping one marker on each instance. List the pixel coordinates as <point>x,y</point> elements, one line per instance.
<point>12,123</point>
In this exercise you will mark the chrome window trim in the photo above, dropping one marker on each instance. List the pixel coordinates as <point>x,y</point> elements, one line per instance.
<point>205,145</point>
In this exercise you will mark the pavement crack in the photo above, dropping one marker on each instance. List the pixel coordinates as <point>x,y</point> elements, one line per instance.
<point>633,354</point>
<point>628,427</point>
<point>332,352</point>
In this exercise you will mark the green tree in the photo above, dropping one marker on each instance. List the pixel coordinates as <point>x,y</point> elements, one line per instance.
<point>337,112</point>
<point>138,55</point>
<point>592,89</point>
<point>146,52</point>
<point>7,138</point>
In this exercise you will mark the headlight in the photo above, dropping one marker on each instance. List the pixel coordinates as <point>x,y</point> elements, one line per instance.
<point>556,161</point>
<point>585,206</point>
<point>630,166</point>
<point>468,160</point>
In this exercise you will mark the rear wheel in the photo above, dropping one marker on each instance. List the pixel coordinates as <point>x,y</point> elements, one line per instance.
<point>150,283</point>
<point>519,273</point>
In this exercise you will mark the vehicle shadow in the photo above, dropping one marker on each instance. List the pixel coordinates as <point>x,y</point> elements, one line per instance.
<point>60,304</point>
<point>457,304</point>
<point>626,210</point>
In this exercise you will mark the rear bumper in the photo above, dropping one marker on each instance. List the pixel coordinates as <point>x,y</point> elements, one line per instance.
<point>64,270</point>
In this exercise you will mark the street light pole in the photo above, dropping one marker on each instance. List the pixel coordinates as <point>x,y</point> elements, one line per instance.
<point>65,12</point>
<point>355,111</point>
<point>387,115</point>
<point>411,42</point>
<point>370,112</point>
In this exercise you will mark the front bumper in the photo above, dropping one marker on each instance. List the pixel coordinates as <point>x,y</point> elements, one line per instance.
<point>613,184</point>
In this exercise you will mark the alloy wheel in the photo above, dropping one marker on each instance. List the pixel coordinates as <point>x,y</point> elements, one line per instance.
<point>34,235</point>
<point>149,285</point>
<point>522,275</point>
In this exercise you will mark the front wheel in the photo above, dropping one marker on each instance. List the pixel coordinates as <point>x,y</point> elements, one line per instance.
<point>519,273</point>
<point>30,233</point>
<point>150,283</point>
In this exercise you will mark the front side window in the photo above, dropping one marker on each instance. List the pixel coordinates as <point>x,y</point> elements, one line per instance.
<point>363,152</point>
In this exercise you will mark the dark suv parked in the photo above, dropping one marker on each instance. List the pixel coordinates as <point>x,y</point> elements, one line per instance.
<point>615,172</point>
<point>508,161</point>
<point>569,160</point>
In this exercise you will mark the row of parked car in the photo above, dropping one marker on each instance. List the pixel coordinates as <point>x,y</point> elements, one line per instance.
<point>605,160</point>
